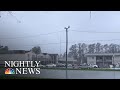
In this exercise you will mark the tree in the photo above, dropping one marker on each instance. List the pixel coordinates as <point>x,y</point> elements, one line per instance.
<point>80,53</point>
<point>60,56</point>
<point>112,48</point>
<point>36,50</point>
<point>106,48</point>
<point>3,49</point>
<point>1,46</point>
<point>91,48</point>
<point>70,54</point>
<point>73,51</point>
<point>98,45</point>
<point>102,49</point>
<point>64,55</point>
<point>10,13</point>
<point>118,48</point>
<point>82,49</point>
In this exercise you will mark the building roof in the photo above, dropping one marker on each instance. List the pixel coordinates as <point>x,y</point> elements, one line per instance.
<point>102,54</point>
<point>17,51</point>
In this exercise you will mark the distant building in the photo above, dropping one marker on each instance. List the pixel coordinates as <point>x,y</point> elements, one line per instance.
<point>46,58</point>
<point>17,51</point>
<point>103,59</point>
<point>69,60</point>
<point>17,57</point>
<point>22,55</point>
<point>54,58</point>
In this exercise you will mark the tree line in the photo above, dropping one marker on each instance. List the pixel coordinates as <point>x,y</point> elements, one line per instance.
<point>77,51</point>
<point>5,50</point>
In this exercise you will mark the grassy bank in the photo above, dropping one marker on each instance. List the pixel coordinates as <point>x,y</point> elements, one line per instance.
<point>91,69</point>
<point>19,77</point>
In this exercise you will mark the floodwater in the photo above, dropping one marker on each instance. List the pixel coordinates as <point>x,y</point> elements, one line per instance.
<point>80,74</point>
<point>72,74</point>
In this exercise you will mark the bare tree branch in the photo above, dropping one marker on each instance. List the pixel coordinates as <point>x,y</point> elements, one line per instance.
<point>10,12</point>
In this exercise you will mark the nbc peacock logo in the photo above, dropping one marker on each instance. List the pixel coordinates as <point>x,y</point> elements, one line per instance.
<point>9,71</point>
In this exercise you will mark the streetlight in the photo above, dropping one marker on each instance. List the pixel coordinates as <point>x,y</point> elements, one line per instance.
<point>66,46</point>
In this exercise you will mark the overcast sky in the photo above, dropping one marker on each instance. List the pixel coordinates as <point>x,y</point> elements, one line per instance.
<point>35,23</point>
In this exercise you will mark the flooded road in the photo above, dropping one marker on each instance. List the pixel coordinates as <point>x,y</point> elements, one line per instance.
<point>71,74</point>
<point>80,74</point>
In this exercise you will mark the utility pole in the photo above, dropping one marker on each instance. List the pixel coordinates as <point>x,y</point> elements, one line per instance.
<point>66,46</point>
<point>114,63</point>
<point>60,46</point>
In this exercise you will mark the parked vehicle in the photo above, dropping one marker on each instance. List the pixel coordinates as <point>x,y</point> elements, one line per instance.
<point>95,66</point>
<point>60,65</point>
<point>111,66</point>
<point>69,65</point>
<point>84,66</point>
<point>42,65</point>
<point>75,66</point>
<point>51,65</point>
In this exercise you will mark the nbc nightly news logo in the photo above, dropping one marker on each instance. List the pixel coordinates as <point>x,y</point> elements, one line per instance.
<point>22,67</point>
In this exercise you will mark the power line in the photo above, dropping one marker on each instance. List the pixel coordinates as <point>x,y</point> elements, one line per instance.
<point>42,44</point>
<point>95,40</point>
<point>93,31</point>
<point>32,35</point>
<point>71,42</point>
<point>56,32</point>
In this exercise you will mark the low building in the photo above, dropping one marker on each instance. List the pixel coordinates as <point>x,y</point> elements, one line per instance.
<point>69,60</point>
<point>103,59</point>
<point>46,58</point>
<point>22,55</point>
<point>17,57</point>
<point>54,58</point>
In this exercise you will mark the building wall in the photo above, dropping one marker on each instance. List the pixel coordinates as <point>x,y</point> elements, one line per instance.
<point>69,62</point>
<point>116,60</point>
<point>91,60</point>
<point>57,59</point>
<point>54,58</point>
<point>2,62</point>
<point>48,58</point>
<point>29,55</point>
